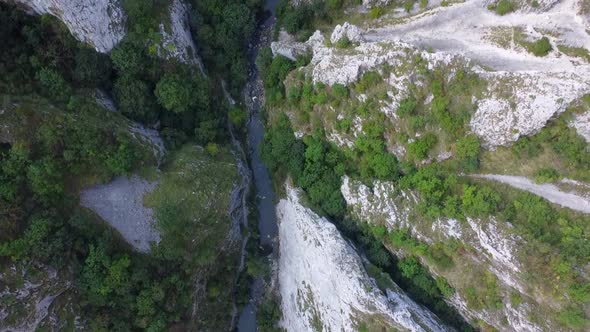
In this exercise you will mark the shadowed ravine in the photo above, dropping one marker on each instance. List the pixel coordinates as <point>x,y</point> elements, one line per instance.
<point>267,223</point>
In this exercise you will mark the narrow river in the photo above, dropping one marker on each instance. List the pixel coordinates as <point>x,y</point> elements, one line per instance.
<point>267,223</point>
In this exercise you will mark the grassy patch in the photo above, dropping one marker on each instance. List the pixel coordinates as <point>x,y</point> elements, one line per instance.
<point>579,52</point>
<point>191,203</point>
<point>540,47</point>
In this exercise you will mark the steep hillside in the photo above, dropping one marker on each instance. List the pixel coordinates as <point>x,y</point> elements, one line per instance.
<point>454,133</point>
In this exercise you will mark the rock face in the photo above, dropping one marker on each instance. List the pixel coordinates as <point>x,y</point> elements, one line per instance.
<point>120,203</point>
<point>324,285</point>
<point>102,25</point>
<point>497,250</point>
<point>99,23</point>
<point>177,41</point>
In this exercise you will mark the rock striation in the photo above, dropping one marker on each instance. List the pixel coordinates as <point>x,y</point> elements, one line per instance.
<point>323,282</point>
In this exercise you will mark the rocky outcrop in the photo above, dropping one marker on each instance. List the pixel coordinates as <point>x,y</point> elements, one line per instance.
<point>177,41</point>
<point>99,23</point>
<point>324,285</point>
<point>102,25</point>
<point>495,250</point>
<point>582,125</point>
<point>523,91</point>
<point>120,204</point>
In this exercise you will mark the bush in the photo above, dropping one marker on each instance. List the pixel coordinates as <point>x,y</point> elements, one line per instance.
<point>548,174</point>
<point>541,47</point>
<point>418,150</point>
<point>238,116</point>
<point>407,107</point>
<point>572,317</point>
<point>92,68</point>
<point>408,5</point>
<point>183,91</point>
<point>56,86</point>
<point>479,201</point>
<point>369,79</point>
<point>468,149</point>
<point>134,98</point>
<point>343,42</point>
<point>129,58</point>
<point>375,12</point>
<point>339,91</point>
<point>504,7</point>
<point>444,287</point>
<point>212,149</point>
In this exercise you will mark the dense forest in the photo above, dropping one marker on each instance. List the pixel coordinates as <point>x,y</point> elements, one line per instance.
<point>60,139</point>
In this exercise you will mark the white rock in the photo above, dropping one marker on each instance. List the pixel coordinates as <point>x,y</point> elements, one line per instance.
<point>99,23</point>
<point>582,125</point>
<point>177,41</point>
<point>352,32</point>
<point>322,278</point>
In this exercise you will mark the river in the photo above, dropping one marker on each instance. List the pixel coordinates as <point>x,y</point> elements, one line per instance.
<point>265,197</point>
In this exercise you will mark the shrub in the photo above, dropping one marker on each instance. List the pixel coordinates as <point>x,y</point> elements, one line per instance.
<point>407,107</point>
<point>548,174</point>
<point>92,68</point>
<point>479,201</point>
<point>572,317</point>
<point>468,149</point>
<point>294,94</point>
<point>237,116</point>
<point>334,4</point>
<point>375,12</point>
<point>56,86</point>
<point>343,42</point>
<point>134,98</point>
<point>541,47</point>
<point>129,58</point>
<point>368,80</point>
<point>444,287</point>
<point>408,5</point>
<point>419,149</point>
<point>340,91</point>
<point>181,92</point>
<point>504,7</point>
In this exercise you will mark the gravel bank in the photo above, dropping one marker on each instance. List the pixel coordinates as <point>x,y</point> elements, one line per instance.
<point>120,203</point>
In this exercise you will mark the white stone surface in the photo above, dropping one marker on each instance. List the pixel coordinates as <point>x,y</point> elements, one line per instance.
<point>321,277</point>
<point>177,41</point>
<point>582,125</point>
<point>99,23</point>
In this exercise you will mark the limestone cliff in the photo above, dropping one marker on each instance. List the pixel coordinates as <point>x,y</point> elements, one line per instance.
<point>324,285</point>
<point>99,23</point>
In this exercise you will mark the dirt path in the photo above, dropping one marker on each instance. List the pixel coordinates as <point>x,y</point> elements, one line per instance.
<point>548,191</point>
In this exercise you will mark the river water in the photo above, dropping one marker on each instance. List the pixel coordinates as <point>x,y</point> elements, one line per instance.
<point>265,198</point>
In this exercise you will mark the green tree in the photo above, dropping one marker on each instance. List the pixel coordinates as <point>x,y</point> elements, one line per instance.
<point>181,92</point>
<point>92,68</point>
<point>468,149</point>
<point>134,98</point>
<point>479,201</point>
<point>54,83</point>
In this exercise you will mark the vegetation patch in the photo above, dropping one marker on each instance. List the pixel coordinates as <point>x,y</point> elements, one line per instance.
<point>579,52</point>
